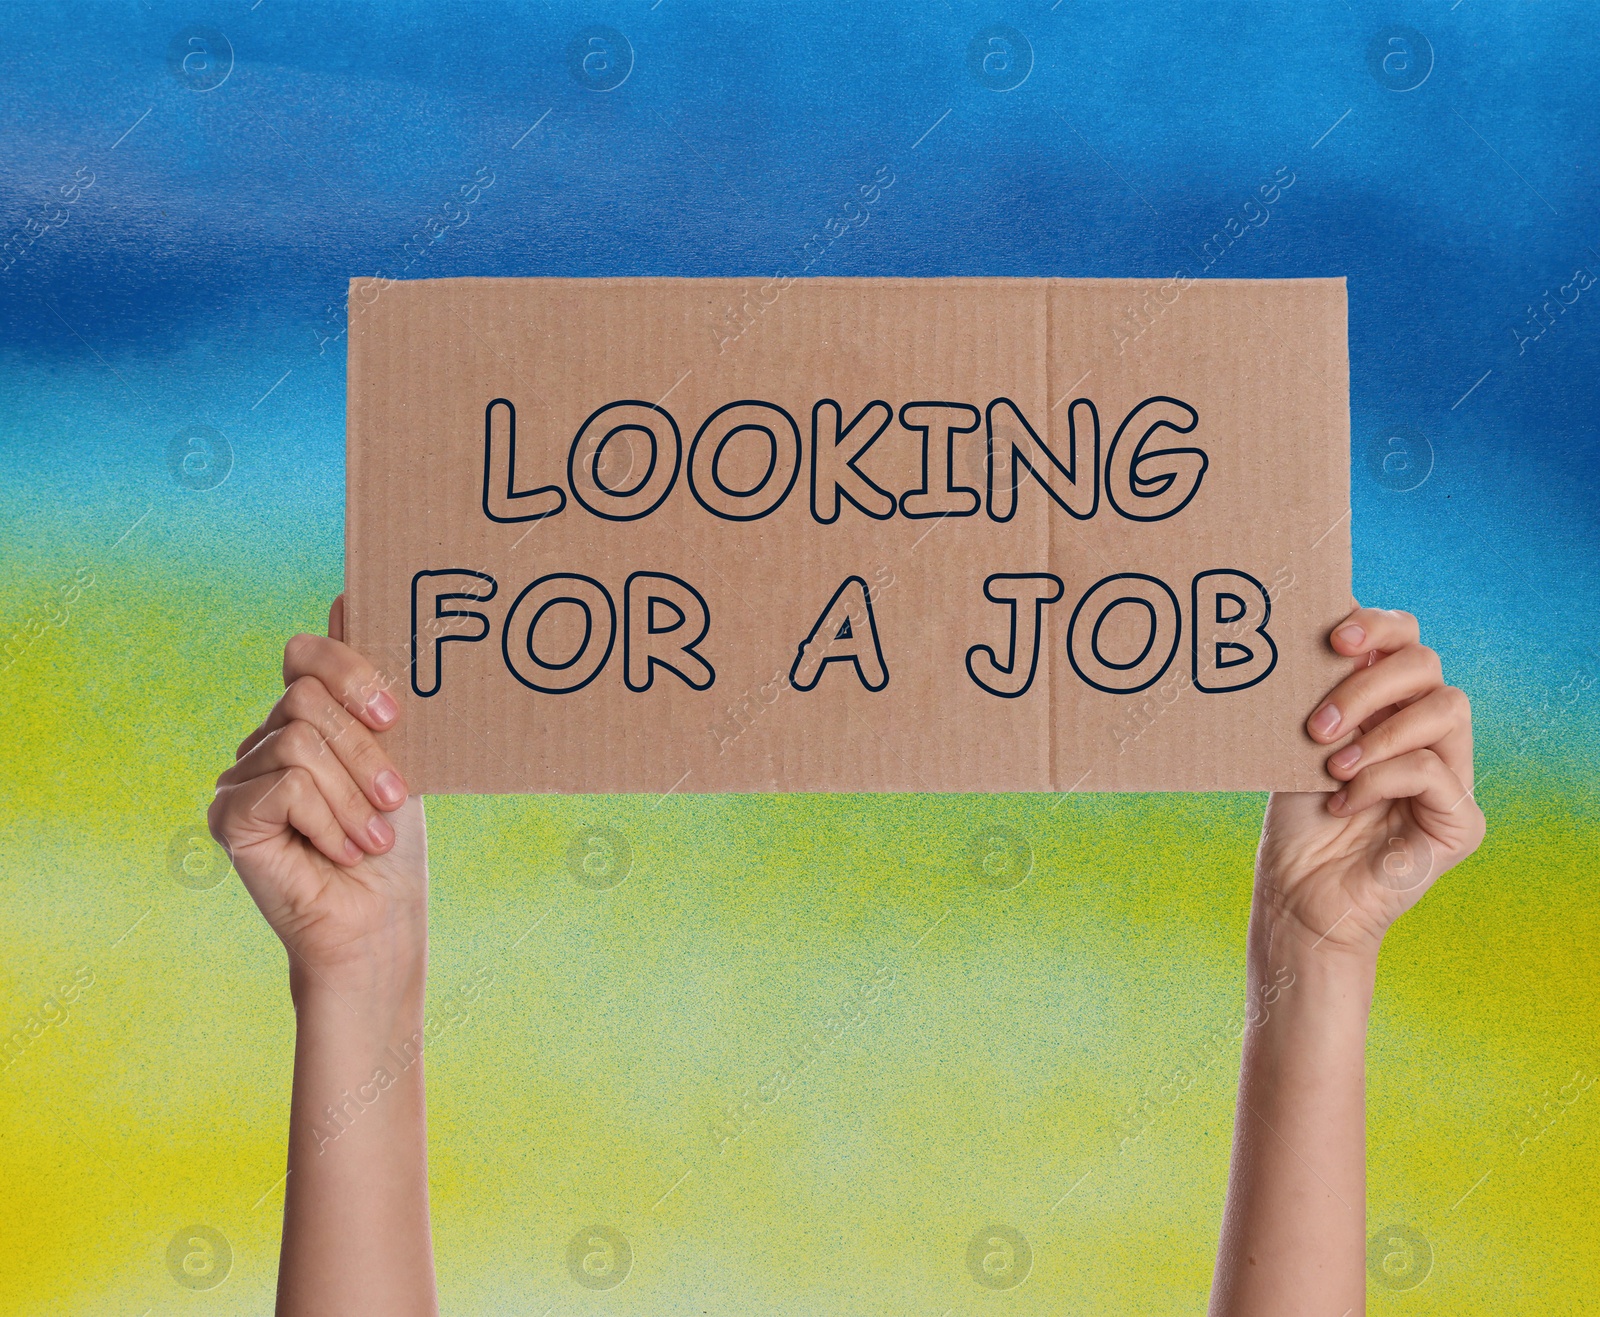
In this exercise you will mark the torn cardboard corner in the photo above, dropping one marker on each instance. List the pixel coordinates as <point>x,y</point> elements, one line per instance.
<point>850,534</point>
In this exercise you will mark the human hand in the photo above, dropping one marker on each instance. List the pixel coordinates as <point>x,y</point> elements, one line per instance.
<point>320,828</point>
<point>1338,868</point>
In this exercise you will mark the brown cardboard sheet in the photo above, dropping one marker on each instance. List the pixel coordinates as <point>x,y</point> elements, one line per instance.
<point>638,534</point>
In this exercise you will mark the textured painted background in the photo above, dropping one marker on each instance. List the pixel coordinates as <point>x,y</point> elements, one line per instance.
<point>185,191</point>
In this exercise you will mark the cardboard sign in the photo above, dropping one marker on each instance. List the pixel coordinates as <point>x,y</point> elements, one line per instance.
<point>850,534</point>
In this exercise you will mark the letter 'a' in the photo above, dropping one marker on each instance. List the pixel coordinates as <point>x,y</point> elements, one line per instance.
<point>846,632</point>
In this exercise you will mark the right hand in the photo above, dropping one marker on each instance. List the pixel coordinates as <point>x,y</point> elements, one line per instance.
<point>1343,866</point>
<point>319,826</point>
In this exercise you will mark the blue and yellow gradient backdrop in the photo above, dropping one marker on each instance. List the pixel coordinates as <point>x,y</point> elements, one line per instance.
<point>785,1054</point>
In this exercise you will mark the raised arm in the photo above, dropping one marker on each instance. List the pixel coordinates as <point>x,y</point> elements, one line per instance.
<point>334,853</point>
<point>1333,871</point>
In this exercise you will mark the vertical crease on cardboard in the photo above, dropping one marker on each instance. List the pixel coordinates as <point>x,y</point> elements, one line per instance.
<point>1047,292</point>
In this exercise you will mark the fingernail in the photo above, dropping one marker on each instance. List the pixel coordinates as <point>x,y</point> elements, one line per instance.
<point>389,787</point>
<point>380,831</point>
<point>352,852</point>
<point>1336,803</point>
<point>383,708</point>
<point>1351,635</point>
<point>1346,758</point>
<point>1326,720</point>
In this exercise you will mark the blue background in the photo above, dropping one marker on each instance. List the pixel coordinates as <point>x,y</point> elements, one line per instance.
<point>211,252</point>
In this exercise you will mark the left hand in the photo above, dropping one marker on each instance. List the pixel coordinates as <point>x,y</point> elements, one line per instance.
<point>1340,867</point>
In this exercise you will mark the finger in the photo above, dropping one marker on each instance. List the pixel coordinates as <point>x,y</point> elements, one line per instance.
<point>1394,679</point>
<point>1419,776</point>
<point>354,682</point>
<point>336,618</point>
<point>248,812</point>
<point>308,700</point>
<point>1441,720</point>
<point>299,745</point>
<point>1382,629</point>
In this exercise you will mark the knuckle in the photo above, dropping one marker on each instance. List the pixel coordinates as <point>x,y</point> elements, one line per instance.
<point>305,697</point>
<point>1381,739</point>
<point>301,740</point>
<point>364,684</point>
<point>216,816</point>
<point>298,650</point>
<point>298,784</point>
<point>365,757</point>
<point>348,692</point>
<point>1360,691</point>
<point>1431,662</point>
<point>355,802</point>
<point>1458,703</point>
<point>1428,760</point>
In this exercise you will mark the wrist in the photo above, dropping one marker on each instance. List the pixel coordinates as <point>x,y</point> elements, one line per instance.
<point>373,987</point>
<point>1296,974</point>
<point>1347,945</point>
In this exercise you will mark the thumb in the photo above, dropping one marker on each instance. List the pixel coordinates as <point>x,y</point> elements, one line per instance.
<point>336,618</point>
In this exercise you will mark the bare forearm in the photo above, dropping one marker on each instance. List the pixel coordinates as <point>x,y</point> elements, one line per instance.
<point>1293,1234</point>
<point>355,1229</point>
